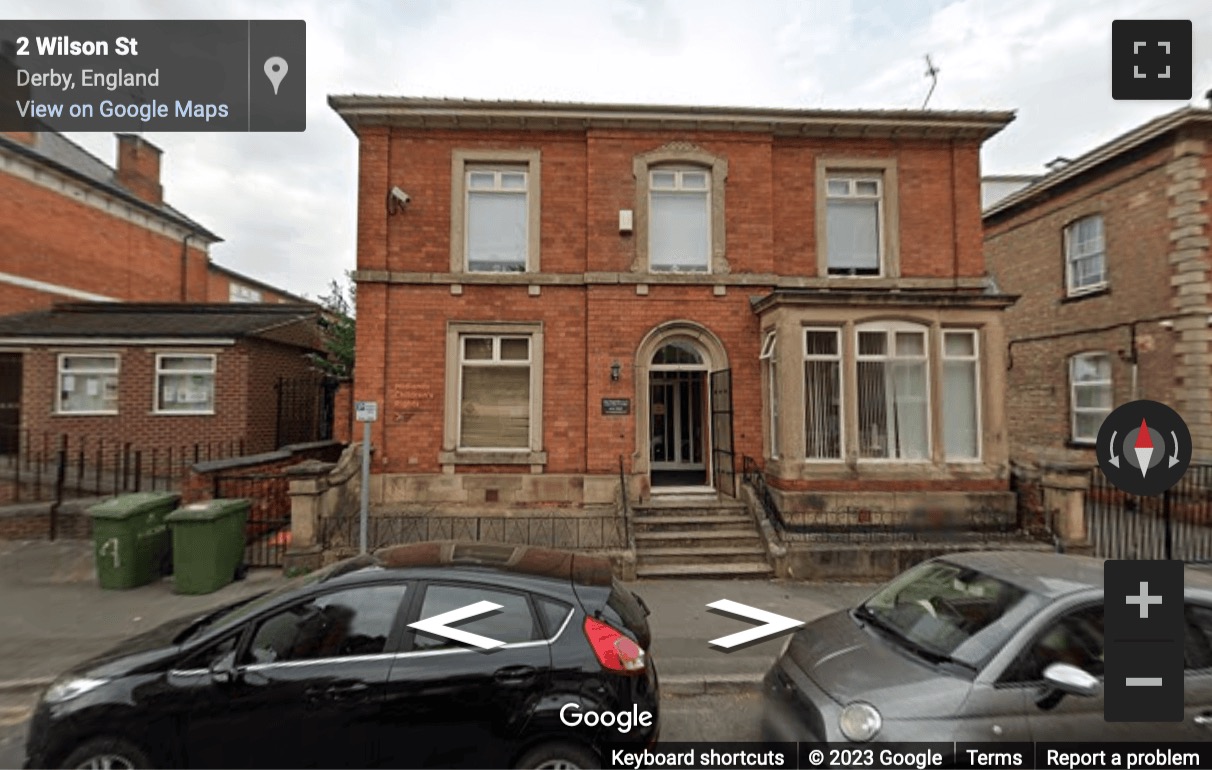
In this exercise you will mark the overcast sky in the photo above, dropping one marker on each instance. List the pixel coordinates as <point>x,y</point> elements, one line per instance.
<point>285,203</point>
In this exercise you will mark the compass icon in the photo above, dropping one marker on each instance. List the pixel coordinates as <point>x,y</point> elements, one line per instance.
<point>1144,447</point>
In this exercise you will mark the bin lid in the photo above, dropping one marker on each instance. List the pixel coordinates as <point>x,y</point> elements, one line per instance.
<point>133,504</point>
<point>209,510</point>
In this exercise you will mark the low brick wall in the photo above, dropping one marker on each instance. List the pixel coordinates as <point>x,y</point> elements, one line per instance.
<point>32,521</point>
<point>200,484</point>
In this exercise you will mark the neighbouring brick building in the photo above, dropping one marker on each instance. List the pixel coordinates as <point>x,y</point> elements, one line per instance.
<point>159,376</point>
<point>1110,254</point>
<point>577,291</point>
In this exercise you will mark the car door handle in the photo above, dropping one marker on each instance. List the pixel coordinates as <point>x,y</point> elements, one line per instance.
<point>1203,720</point>
<point>336,691</point>
<point>515,675</point>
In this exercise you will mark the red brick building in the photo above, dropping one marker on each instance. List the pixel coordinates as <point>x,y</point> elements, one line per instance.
<point>549,292</point>
<point>1110,253</point>
<point>158,376</point>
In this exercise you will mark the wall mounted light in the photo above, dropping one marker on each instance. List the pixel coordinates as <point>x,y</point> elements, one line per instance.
<point>615,371</point>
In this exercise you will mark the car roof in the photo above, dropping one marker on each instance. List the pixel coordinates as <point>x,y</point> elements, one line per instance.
<point>522,560</point>
<point>1053,574</point>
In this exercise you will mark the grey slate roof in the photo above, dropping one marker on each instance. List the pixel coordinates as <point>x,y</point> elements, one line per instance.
<point>141,320</point>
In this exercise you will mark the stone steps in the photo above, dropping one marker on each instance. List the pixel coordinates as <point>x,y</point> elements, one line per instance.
<point>698,539</point>
<point>754,569</point>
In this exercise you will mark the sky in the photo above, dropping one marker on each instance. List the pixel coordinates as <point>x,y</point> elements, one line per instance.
<point>285,203</point>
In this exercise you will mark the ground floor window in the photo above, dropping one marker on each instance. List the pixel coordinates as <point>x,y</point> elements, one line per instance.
<point>822,394</point>
<point>494,395</point>
<point>88,384</point>
<point>1090,395</point>
<point>961,395</point>
<point>185,383</point>
<point>771,362</point>
<point>893,392</point>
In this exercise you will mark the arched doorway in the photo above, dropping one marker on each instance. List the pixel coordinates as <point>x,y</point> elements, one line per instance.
<point>678,409</point>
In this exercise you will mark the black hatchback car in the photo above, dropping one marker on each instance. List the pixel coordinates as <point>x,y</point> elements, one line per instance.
<point>326,672</point>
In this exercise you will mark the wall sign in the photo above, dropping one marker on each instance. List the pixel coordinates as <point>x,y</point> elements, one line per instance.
<point>616,406</point>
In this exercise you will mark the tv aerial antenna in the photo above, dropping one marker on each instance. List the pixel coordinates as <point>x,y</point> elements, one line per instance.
<point>932,73</point>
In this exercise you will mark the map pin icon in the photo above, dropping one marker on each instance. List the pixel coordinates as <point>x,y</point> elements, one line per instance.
<point>275,70</point>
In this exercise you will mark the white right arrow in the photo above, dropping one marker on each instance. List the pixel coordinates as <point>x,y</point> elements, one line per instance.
<point>1114,457</point>
<point>774,624</point>
<point>437,625</point>
<point>1174,457</point>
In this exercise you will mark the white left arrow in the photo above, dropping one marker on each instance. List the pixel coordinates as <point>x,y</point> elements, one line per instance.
<point>774,624</point>
<point>438,625</point>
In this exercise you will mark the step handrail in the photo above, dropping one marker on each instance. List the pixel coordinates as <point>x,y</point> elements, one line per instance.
<point>755,477</point>
<point>629,530</point>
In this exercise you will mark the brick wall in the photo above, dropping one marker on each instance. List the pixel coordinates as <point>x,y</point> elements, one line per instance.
<point>52,236</point>
<point>266,362</point>
<point>1025,252</point>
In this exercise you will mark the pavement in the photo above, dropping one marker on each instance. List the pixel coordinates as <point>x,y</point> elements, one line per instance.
<point>56,616</point>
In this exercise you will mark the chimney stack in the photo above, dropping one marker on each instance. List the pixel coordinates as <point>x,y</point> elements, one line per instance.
<point>139,168</point>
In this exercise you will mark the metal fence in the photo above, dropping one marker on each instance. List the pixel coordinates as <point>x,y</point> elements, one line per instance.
<point>267,530</point>
<point>571,532</point>
<point>864,524</point>
<point>1174,525</point>
<point>46,466</point>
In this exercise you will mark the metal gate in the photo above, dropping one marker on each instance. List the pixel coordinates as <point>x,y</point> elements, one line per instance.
<point>1174,525</point>
<point>305,408</point>
<point>723,458</point>
<point>10,403</point>
<point>267,530</point>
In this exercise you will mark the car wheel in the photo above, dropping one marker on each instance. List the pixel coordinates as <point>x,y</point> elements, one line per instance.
<point>559,756</point>
<point>107,754</point>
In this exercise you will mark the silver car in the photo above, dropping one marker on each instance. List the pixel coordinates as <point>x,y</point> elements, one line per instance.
<point>979,646</point>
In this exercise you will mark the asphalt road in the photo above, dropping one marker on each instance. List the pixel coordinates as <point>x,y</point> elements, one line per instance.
<point>699,718</point>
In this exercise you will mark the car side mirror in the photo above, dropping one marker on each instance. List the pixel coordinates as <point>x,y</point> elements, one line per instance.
<point>1067,678</point>
<point>223,670</point>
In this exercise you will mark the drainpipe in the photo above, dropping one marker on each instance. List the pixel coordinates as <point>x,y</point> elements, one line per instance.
<point>185,264</point>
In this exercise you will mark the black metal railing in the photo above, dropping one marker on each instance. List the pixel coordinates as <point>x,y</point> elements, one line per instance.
<point>1174,525</point>
<point>626,507</point>
<point>862,524</point>
<point>46,466</point>
<point>570,532</point>
<point>267,529</point>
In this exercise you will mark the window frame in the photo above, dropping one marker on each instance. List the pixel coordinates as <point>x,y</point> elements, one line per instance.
<point>852,180</point>
<point>975,359</point>
<point>452,453</point>
<point>885,170</point>
<point>116,373</point>
<point>686,156</point>
<point>158,372</point>
<point>1073,385</point>
<point>769,354</point>
<point>463,162</point>
<point>678,170</point>
<point>495,362</point>
<point>839,359</point>
<point>1067,235</point>
<point>890,329</point>
<point>408,643</point>
<point>497,170</point>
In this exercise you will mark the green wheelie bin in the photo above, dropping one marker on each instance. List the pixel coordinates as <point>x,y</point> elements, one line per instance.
<point>208,544</point>
<point>131,541</point>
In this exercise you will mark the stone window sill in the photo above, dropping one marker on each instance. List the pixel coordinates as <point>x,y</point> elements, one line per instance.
<point>467,457</point>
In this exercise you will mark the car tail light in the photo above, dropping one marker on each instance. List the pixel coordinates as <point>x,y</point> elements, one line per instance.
<point>614,649</point>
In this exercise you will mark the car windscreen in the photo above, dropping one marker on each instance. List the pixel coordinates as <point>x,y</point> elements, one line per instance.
<point>950,612</point>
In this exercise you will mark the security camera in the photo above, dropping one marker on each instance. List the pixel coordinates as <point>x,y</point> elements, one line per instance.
<point>397,199</point>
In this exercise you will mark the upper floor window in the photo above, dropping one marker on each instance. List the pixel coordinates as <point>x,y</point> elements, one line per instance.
<point>854,221</point>
<point>679,231</point>
<point>1085,255</point>
<point>88,384</point>
<point>495,211</point>
<point>1090,395</point>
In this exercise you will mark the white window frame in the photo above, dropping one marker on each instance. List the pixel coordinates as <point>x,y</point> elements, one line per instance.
<point>495,361</point>
<point>157,407</point>
<point>841,389</point>
<point>678,187</point>
<point>852,178</point>
<point>115,373</point>
<point>496,169</point>
<point>890,329</point>
<point>1074,409</point>
<point>769,354</point>
<point>1070,257</point>
<point>975,359</point>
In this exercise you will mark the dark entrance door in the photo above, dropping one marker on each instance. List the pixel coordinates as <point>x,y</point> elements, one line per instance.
<point>10,403</point>
<point>677,413</point>
<point>723,458</point>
